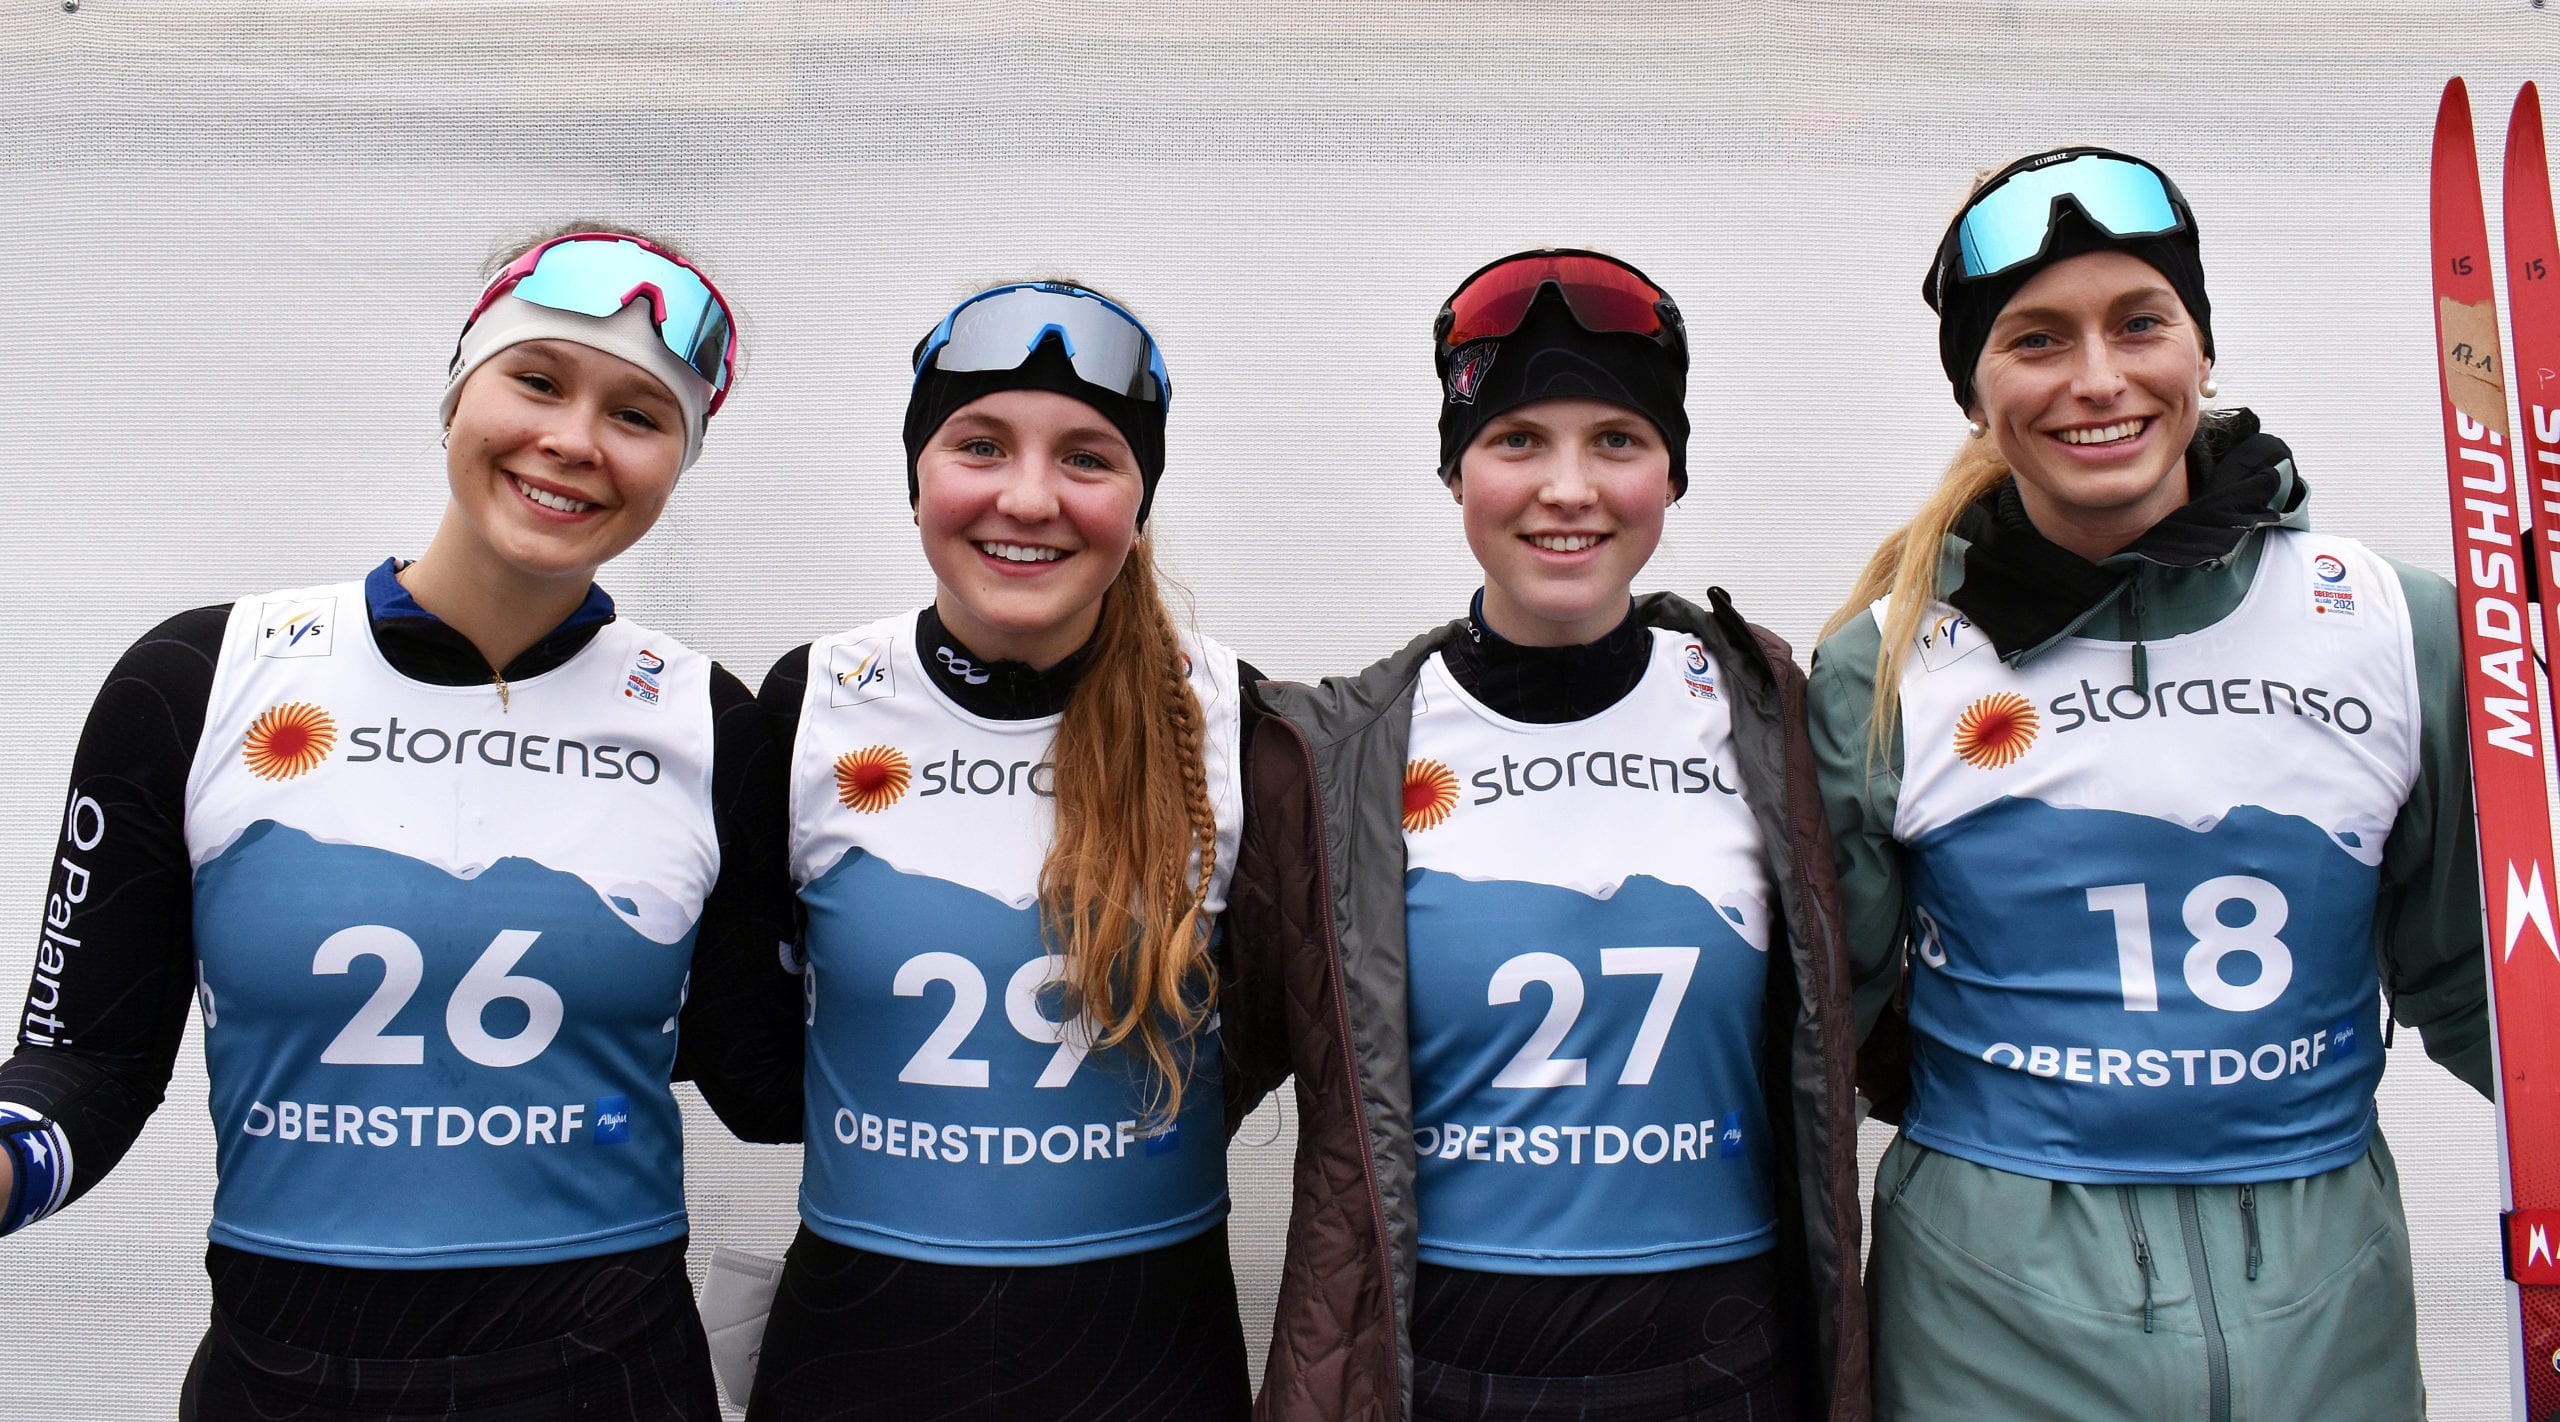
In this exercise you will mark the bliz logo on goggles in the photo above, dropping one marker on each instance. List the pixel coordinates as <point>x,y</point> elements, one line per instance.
<point>2010,222</point>
<point>599,273</point>
<point>999,329</point>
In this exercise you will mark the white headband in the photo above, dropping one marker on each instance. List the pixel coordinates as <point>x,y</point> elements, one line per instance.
<point>630,334</point>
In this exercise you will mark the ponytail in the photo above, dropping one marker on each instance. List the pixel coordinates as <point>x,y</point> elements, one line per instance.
<point>1905,566</point>
<point>1121,899</point>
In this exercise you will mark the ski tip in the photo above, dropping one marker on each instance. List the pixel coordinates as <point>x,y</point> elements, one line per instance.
<point>2528,108</point>
<point>2453,116</point>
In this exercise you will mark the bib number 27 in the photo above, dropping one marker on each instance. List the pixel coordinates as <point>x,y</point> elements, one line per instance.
<point>1537,1065</point>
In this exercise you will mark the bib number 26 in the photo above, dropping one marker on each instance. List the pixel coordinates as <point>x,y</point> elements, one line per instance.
<point>363,1042</point>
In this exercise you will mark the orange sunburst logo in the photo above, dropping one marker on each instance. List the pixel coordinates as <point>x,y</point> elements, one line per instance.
<point>1995,730</point>
<point>289,740</point>
<point>871,779</point>
<point>1430,793</point>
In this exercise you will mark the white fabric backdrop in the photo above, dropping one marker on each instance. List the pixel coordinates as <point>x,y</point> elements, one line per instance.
<point>241,236</point>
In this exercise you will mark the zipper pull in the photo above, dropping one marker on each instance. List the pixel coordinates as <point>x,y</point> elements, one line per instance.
<point>2141,654</point>
<point>2249,1224</point>
<point>502,689</point>
<point>2142,1261</point>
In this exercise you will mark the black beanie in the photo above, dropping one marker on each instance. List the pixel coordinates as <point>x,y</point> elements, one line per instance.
<point>1968,308</point>
<point>938,393</point>
<point>1551,357</point>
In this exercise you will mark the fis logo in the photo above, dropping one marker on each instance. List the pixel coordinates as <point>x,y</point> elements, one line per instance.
<point>641,682</point>
<point>288,740</point>
<point>2342,1039</point>
<point>1467,370</point>
<point>2331,594</point>
<point>1430,793</point>
<point>1943,640</point>
<point>1164,1140</point>
<point>613,1120</point>
<point>859,673</point>
<point>1699,672</point>
<point>297,629</point>
<point>872,779</point>
<point>1729,1143</point>
<point>1995,730</point>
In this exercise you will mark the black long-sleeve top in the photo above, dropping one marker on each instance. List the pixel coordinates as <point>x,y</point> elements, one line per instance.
<point>107,1006</point>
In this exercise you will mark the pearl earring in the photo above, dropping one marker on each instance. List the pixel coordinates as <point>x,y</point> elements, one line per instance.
<point>2209,389</point>
<point>1976,429</point>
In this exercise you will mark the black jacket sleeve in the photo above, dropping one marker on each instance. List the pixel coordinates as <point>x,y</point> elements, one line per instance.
<point>741,1038</point>
<point>115,961</point>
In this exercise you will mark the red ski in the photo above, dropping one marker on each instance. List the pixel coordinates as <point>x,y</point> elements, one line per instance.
<point>2533,291</point>
<point>2487,471</point>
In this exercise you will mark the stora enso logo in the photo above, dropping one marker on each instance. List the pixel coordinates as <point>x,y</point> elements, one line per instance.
<point>288,740</point>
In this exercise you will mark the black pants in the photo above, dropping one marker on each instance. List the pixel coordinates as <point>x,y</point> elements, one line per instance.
<point>1150,1337</point>
<point>647,1362</point>
<point>1695,1345</point>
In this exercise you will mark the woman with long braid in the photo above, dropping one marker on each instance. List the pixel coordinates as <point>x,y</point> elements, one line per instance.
<point>1014,812</point>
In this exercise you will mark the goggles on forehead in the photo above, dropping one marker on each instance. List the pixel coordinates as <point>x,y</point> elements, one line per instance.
<point>599,273</point>
<point>999,329</point>
<point>2010,222</point>
<point>1604,294</point>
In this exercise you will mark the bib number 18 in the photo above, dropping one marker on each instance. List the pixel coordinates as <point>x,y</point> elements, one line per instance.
<point>2130,906</point>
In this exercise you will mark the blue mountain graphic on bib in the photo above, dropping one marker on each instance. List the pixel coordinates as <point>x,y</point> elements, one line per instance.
<point>411,1066</point>
<point>1587,1094</point>
<point>2106,996</point>
<point>952,1118</point>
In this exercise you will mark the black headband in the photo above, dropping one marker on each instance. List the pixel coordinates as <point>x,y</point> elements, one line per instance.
<point>1551,357</point>
<point>938,393</point>
<point>1968,307</point>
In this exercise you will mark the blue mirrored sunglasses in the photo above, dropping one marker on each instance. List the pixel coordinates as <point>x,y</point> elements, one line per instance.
<point>2011,222</point>
<point>999,329</point>
<point>599,273</point>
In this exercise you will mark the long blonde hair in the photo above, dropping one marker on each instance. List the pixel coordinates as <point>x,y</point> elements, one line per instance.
<point>1905,566</point>
<point>1123,891</point>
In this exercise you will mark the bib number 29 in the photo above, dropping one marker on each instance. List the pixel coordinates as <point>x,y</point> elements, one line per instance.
<point>2255,937</point>
<point>362,1042</point>
<point>935,1064</point>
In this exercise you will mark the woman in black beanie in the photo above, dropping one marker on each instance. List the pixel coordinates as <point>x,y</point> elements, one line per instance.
<point>1568,1027</point>
<point>1013,821</point>
<point>2144,796</point>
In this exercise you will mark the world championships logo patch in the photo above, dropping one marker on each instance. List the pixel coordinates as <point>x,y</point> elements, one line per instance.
<point>1430,793</point>
<point>2331,593</point>
<point>872,779</point>
<point>1699,672</point>
<point>641,683</point>
<point>1995,730</point>
<point>288,740</point>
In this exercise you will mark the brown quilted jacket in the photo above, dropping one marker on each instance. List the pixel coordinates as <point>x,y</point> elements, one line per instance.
<point>1315,990</point>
